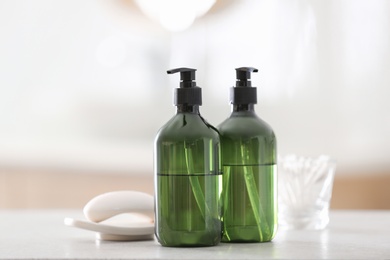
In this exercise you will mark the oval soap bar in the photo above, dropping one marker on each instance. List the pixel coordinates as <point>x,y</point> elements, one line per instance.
<point>114,203</point>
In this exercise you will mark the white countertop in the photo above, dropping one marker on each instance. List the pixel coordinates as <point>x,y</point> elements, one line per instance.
<point>41,234</point>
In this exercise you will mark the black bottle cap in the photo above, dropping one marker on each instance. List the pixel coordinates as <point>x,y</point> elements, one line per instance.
<point>188,93</point>
<point>243,92</point>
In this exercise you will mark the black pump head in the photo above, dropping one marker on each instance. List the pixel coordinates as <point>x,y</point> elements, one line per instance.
<point>188,93</point>
<point>187,76</point>
<point>243,93</point>
<point>243,75</point>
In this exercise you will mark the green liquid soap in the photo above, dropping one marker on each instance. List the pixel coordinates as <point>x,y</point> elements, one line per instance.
<point>240,221</point>
<point>187,220</point>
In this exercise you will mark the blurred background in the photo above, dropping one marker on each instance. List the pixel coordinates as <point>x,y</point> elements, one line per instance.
<point>84,89</point>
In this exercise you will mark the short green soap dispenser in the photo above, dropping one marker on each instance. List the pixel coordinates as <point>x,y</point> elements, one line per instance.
<point>187,172</point>
<point>248,151</point>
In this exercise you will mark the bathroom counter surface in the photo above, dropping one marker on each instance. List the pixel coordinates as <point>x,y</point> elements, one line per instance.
<point>41,234</point>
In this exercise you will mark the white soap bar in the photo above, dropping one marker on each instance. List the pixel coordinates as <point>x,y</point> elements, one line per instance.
<point>114,203</point>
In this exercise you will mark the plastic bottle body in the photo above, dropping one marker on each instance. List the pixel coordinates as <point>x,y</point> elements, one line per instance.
<point>249,200</point>
<point>187,182</point>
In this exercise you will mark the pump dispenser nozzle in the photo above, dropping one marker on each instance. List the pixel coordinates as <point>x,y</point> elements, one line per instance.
<point>243,93</point>
<point>188,93</point>
<point>243,75</point>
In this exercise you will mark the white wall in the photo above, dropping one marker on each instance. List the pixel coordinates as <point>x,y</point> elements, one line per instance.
<point>83,84</point>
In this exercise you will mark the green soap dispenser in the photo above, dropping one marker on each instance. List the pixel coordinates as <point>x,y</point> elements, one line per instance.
<point>187,172</point>
<point>248,152</point>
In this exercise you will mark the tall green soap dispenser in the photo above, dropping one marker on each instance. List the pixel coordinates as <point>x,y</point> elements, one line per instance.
<point>248,151</point>
<point>187,172</point>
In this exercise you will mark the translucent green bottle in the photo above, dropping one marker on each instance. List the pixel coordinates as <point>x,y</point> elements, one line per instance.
<point>187,173</point>
<point>248,149</point>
